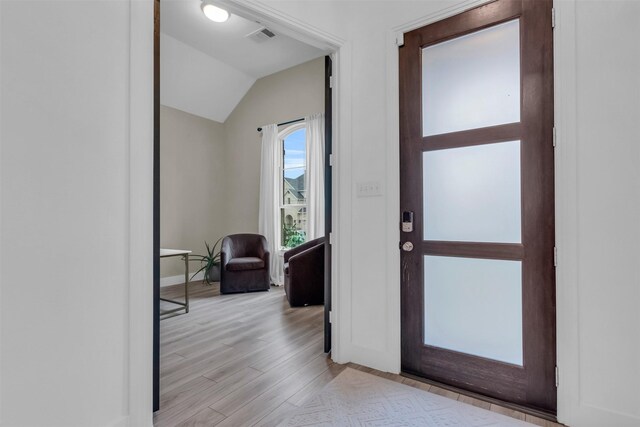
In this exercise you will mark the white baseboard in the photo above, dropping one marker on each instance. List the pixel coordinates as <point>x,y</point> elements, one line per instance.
<point>123,422</point>
<point>176,280</point>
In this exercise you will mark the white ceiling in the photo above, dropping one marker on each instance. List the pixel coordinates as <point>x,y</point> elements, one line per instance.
<point>208,67</point>
<point>197,83</point>
<point>226,42</point>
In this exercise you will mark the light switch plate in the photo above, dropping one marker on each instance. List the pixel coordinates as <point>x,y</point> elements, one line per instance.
<point>368,189</point>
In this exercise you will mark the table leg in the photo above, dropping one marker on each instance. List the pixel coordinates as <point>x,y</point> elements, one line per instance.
<point>186,282</point>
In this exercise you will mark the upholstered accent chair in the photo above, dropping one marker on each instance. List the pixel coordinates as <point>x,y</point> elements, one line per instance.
<point>304,273</point>
<point>244,264</point>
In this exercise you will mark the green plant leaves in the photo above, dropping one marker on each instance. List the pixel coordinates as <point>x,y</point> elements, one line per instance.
<point>207,261</point>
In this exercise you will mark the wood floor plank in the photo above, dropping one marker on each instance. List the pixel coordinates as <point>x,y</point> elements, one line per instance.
<point>276,416</point>
<point>227,328</point>
<point>475,402</point>
<point>315,386</point>
<point>508,412</point>
<point>253,411</point>
<point>171,416</point>
<point>416,384</point>
<point>187,391</point>
<point>268,361</point>
<point>540,422</point>
<point>236,400</point>
<point>444,392</point>
<point>170,360</point>
<point>263,359</point>
<point>189,369</point>
<point>221,337</point>
<point>205,418</point>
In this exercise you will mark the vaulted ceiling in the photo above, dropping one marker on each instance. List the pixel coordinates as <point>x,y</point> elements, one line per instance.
<point>208,67</point>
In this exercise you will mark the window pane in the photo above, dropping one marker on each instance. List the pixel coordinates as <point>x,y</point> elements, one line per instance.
<point>472,194</point>
<point>474,306</point>
<point>295,149</point>
<point>472,81</point>
<point>293,226</point>
<point>293,191</point>
<point>294,199</point>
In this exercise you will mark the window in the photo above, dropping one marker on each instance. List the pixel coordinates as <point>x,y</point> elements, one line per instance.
<point>293,200</point>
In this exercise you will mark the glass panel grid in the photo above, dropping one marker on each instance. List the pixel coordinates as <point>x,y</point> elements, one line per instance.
<point>472,81</point>
<point>474,306</point>
<point>472,194</point>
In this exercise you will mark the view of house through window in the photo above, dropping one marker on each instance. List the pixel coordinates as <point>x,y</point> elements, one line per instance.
<point>293,205</point>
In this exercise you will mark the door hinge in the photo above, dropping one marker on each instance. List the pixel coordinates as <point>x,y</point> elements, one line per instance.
<point>331,238</point>
<point>330,82</point>
<point>330,316</point>
<point>553,17</point>
<point>555,256</point>
<point>554,136</point>
<point>331,159</point>
<point>557,377</point>
<point>400,39</point>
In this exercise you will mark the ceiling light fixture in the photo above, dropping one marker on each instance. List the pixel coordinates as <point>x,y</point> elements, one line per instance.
<point>214,13</point>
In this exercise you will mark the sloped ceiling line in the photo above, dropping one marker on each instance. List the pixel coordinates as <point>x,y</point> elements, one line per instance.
<point>197,83</point>
<point>207,68</point>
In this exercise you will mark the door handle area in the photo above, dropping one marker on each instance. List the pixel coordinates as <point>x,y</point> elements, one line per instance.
<point>407,246</point>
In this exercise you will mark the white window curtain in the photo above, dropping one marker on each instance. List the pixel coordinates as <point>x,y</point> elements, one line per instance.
<point>269,215</point>
<point>315,175</point>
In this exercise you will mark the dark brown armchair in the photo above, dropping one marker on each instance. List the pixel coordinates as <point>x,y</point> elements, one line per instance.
<point>244,264</point>
<point>304,273</point>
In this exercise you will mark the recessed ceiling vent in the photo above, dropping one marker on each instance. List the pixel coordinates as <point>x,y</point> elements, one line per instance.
<point>261,35</point>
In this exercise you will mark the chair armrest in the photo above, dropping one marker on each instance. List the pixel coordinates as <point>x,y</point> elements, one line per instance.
<point>263,249</point>
<point>309,256</point>
<point>226,252</point>
<point>299,249</point>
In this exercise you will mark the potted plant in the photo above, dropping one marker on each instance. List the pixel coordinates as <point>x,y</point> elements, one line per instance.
<point>209,263</point>
<point>293,237</point>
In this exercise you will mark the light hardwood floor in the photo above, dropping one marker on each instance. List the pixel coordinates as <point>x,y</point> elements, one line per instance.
<point>250,359</point>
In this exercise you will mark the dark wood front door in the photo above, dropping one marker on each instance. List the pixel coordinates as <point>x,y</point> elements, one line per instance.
<point>476,131</point>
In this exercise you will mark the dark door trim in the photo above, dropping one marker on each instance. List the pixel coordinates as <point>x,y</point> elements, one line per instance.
<point>533,384</point>
<point>328,126</point>
<point>156,205</point>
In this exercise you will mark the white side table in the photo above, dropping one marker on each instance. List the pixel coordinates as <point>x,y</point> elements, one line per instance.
<point>166,253</point>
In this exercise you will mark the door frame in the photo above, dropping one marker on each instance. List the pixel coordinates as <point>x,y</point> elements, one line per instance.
<point>571,408</point>
<point>300,32</point>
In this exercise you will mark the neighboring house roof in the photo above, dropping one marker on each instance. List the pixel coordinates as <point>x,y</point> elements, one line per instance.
<point>296,186</point>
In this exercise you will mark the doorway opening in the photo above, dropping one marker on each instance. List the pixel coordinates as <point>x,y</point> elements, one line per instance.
<point>224,325</point>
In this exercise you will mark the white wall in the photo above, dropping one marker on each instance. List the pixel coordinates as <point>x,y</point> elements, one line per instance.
<point>598,205</point>
<point>193,186</point>
<point>286,95</point>
<point>64,171</point>
<point>195,82</point>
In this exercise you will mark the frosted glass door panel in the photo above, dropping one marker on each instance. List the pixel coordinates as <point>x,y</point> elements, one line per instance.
<point>472,194</point>
<point>472,81</point>
<point>474,306</point>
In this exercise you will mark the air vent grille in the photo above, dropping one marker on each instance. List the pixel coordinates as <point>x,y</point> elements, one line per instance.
<point>261,35</point>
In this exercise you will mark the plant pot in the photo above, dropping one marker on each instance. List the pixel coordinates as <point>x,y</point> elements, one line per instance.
<point>212,274</point>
